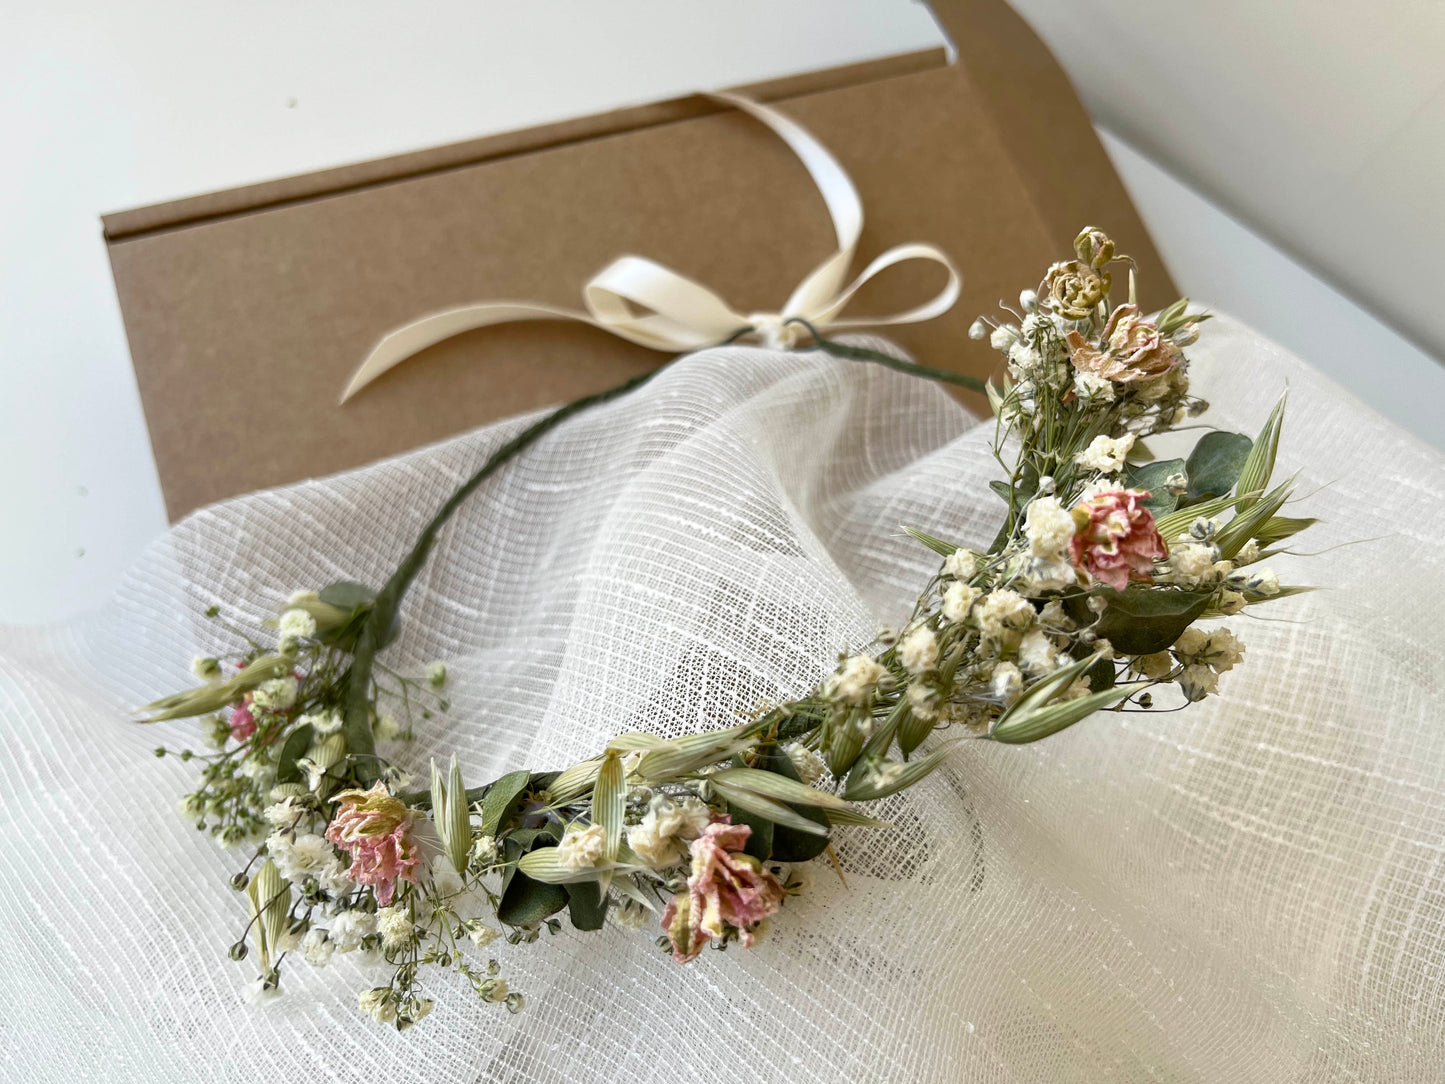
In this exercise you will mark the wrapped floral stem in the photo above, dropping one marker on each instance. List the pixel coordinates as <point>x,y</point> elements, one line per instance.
<point>1100,591</point>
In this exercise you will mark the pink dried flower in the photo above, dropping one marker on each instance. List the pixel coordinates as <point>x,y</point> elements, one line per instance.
<point>375,829</point>
<point>1135,350</point>
<point>1115,537</point>
<point>243,723</point>
<point>728,891</point>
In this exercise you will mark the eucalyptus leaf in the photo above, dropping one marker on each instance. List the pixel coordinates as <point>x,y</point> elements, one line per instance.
<point>526,902</point>
<point>586,905</point>
<point>1214,465</point>
<point>1152,476</point>
<point>501,799</point>
<point>1141,619</point>
<point>294,748</point>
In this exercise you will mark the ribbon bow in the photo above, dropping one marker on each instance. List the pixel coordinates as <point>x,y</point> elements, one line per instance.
<point>644,302</point>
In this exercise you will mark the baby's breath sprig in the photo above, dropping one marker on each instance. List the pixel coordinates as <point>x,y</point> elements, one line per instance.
<point>1090,597</point>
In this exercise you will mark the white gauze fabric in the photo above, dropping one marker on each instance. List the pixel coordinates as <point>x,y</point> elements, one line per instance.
<point>1249,890</point>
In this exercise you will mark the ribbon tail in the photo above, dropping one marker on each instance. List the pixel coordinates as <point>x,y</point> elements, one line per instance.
<point>396,346</point>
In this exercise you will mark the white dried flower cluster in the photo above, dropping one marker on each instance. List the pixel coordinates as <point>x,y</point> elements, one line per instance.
<point>1204,656</point>
<point>808,764</point>
<point>961,564</point>
<point>631,915</point>
<point>958,600</point>
<point>350,928</point>
<point>278,694</point>
<point>317,947</point>
<point>1106,454</point>
<point>856,679</point>
<point>322,722</point>
<point>300,855</point>
<point>395,926</point>
<point>296,624</point>
<point>918,650</point>
<point>1092,388</point>
<point>581,847</point>
<point>1049,528</point>
<point>661,836</point>
<point>1001,616</point>
<point>1195,565</point>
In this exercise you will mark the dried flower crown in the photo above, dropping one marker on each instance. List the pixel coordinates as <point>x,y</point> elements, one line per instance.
<point>1088,599</point>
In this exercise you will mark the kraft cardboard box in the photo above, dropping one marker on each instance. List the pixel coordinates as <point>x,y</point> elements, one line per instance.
<point>287,285</point>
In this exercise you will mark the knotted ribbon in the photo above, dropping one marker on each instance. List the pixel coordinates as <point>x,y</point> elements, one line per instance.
<point>642,301</point>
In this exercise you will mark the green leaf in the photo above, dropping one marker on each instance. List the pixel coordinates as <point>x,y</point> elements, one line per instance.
<point>1152,476</point>
<point>777,787</point>
<point>345,595</point>
<point>587,905</point>
<point>1176,523</point>
<point>1142,620</point>
<point>790,845</point>
<point>872,779</point>
<point>609,802</point>
<point>937,545</point>
<point>680,756</point>
<point>776,812</point>
<point>1003,489</point>
<point>1214,465</point>
<point>802,717</point>
<point>526,902</point>
<point>1051,718</point>
<point>575,781</point>
<point>1234,534</point>
<point>1100,674</point>
<point>1278,528</point>
<point>297,742</point>
<point>544,864</point>
<point>1259,467</point>
<point>912,729</point>
<point>760,839</point>
<point>501,799</point>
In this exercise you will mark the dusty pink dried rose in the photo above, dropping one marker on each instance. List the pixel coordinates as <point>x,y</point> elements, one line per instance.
<point>1115,537</point>
<point>375,829</point>
<point>726,891</point>
<point>1135,350</point>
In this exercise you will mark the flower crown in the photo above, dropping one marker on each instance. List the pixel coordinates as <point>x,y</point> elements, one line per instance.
<point>1089,598</point>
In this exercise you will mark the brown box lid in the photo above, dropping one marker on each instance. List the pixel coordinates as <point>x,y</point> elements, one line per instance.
<point>284,287</point>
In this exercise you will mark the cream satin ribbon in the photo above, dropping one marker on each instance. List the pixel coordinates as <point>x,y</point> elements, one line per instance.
<point>639,300</point>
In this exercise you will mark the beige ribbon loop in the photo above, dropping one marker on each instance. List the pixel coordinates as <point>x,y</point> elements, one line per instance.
<point>646,303</point>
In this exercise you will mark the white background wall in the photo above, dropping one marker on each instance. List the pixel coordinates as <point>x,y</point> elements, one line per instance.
<point>105,106</point>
